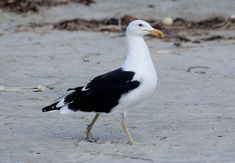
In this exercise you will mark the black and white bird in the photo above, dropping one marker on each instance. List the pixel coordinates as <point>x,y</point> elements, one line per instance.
<point>120,89</point>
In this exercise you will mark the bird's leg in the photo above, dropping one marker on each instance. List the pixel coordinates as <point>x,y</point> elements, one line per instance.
<point>89,127</point>
<point>124,126</point>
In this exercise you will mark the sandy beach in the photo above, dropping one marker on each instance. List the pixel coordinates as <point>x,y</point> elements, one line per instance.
<point>189,119</point>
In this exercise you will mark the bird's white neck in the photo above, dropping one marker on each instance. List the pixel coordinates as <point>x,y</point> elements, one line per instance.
<point>136,45</point>
<point>137,53</point>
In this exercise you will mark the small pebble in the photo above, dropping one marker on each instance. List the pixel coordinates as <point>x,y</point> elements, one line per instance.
<point>167,21</point>
<point>232,17</point>
<point>150,6</point>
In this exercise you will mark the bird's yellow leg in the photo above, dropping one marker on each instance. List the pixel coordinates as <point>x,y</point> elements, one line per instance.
<point>125,128</point>
<point>89,127</point>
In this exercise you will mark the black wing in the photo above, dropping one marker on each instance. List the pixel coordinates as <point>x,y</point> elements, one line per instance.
<point>103,92</point>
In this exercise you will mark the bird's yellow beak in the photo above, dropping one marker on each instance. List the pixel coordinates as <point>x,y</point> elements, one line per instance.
<point>156,33</point>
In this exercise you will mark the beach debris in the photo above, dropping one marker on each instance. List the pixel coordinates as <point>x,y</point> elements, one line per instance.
<point>198,69</point>
<point>109,24</point>
<point>163,137</point>
<point>182,38</point>
<point>119,24</point>
<point>177,44</point>
<point>212,38</point>
<point>150,6</point>
<point>38,88</point>
<point>85,59</point>
<point>86,2</point>
<point>24,6</point>
<point>180,30</point>
<point>19,6</point>
<point>209,23</point>
<point>52,86</point>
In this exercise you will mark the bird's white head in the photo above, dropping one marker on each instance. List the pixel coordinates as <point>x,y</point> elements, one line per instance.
<point>142,28</point>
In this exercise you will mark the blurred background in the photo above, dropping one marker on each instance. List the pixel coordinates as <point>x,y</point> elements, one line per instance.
<point>174,17</point>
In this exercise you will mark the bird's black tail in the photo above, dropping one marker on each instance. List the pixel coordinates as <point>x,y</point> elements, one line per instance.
<point>51,107</point>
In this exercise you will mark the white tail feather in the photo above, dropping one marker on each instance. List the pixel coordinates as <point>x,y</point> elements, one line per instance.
<point>65,110</point>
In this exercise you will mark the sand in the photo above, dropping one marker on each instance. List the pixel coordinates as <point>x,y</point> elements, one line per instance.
<point>190,118</point>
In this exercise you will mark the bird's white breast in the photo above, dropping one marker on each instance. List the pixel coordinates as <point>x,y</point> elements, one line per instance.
<point>148,83</point>
<point>144,73</point>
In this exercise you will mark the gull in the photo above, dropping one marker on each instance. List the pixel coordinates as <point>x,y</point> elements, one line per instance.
<point>118,90</point>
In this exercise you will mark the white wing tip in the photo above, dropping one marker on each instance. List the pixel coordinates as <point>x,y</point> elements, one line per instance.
<point>61,103</point>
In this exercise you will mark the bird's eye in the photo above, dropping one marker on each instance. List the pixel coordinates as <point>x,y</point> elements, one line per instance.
<point>140,25</point>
